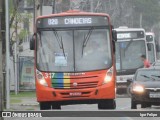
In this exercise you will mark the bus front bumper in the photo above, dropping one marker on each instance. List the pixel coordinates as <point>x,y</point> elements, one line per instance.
<point>45,94</point>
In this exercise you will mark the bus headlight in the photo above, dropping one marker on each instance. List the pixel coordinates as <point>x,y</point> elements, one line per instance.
<point>41,80</point>
<point>138,88</point>
<point>108,77</point>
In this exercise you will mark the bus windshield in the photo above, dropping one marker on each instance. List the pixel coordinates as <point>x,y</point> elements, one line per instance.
<point>128,54</point>
<point>73,50</point>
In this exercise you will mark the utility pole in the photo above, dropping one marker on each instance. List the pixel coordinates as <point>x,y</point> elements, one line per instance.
<point>1,75</point>
<point>132,12</point>
<point>41,4</point>
<point>92,6</point>
<point>53,6</point>
<point>15,57</point>
<point>140,20</point>
<point>7,55</point>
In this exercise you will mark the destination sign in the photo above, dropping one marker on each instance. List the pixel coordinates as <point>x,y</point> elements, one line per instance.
<point>130,35</point>
<point>123,35</point>
<point>72,21</point>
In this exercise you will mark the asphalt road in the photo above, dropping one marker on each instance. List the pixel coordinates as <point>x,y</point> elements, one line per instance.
<point>123,104</point>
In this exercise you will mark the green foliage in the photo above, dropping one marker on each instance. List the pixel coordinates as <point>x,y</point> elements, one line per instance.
<point>19,19</point>
<point>15,101</point>
<point>23,94</point>
<point>22,34</point>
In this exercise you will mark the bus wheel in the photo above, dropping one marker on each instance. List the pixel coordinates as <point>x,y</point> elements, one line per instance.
<point>56,106</point>
<point>148,105</point>
<point>133,104</point>
<point>107,104</point>
<point>144,105</point>
<point>45,106</point>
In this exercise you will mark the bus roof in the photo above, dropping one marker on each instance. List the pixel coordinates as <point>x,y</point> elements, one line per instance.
<point>149,33</point>
<point>128,29</point>
<point>73,13</point>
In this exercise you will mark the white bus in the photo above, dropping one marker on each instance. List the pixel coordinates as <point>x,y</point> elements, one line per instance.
<point>152,56</point>
<point>130,45</point>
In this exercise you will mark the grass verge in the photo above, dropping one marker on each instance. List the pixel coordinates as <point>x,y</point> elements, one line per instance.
<point>23,94</point>
<point>13,101</point>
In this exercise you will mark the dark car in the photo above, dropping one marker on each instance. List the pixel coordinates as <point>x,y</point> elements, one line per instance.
<point>145,88</point>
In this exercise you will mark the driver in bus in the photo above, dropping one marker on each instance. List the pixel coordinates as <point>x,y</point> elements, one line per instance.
<point>145,61</point>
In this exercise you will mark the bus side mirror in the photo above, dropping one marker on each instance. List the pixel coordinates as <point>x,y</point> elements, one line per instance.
<point>149,47</point>
<point>114,39</point>
<point>32,42</point>
<point>114,35</point>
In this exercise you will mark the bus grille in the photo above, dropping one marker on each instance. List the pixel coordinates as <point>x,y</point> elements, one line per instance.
<point>75,85</point>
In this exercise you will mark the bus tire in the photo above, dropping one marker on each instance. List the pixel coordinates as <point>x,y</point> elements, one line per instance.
<point>45,106</point>
<point>133,104</point>
<point>144,105</point>
<point>149,105</point>
<point>56,106</point>
<point>107,104</point>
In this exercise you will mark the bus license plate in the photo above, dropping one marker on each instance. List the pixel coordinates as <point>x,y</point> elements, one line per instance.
<point>121,86</point>
<point>75,94</point>
<point>154,95</point>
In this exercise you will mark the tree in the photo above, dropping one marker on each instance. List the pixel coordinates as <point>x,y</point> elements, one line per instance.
<point>14,9</point>
<point>149,9</point>
<point>18,32</point>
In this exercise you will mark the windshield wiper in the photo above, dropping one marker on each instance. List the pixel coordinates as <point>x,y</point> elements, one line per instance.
<point>156,76</point>
<point>60,42</point>
<point>58,38</point>
<point>128,44</point>
<point>148,77</point>
<point>86,39</point>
